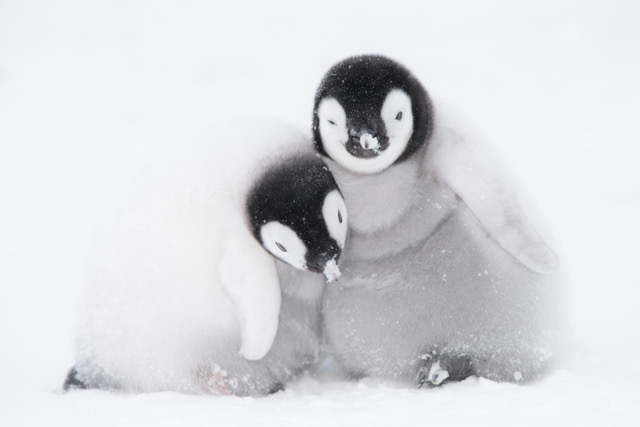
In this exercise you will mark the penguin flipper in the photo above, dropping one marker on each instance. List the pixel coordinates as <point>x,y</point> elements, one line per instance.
<point>248,274</point>
<point>479,180</point>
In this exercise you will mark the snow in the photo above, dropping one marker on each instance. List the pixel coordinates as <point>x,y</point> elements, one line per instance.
<point>331,271</point>
<point>93,93</point>
<point>369,142</point>
<point>436,374</point>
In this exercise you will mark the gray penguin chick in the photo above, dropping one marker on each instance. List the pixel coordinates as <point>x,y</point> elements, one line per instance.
<point>445,275</point>
<point>204,282</point>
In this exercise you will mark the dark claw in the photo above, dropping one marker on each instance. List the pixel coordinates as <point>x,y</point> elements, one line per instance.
<point>458,367</point>
<point>72,381</point>
<point>277,387</point>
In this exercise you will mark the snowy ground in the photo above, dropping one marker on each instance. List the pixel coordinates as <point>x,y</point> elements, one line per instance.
<point>92,93</point>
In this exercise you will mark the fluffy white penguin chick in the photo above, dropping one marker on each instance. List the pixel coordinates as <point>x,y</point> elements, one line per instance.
<point>445,274</point>
<point>184,295</point>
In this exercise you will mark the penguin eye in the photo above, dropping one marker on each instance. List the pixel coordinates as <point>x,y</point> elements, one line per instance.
<point>282,248</point>
<point>332,122</point>
<point>399,116</point>
<point>339,217</point>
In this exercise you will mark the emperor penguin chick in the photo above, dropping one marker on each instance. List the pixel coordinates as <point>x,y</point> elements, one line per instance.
<point>445,275</point>
<point>205,283</point>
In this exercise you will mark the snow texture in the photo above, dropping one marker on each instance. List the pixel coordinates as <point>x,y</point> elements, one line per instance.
<point>436,374</point>
<point>369,142</point>
<point>331,271</point>
<point>93,93</point>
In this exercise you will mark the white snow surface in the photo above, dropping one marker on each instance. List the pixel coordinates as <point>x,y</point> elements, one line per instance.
<point>93,93</point>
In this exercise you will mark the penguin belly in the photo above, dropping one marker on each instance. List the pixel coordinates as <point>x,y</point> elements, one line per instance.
<point>453,293</point>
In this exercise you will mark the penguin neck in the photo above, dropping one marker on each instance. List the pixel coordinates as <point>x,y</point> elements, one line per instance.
<point>375,202</point>
<point>298,284</point>
<point>392,210</point>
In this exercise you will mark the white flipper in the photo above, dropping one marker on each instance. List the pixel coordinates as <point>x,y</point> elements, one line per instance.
<point>481,182</point>
<point>254,288</point>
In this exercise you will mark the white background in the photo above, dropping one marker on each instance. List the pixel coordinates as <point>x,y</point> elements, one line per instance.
<point>93,93</point>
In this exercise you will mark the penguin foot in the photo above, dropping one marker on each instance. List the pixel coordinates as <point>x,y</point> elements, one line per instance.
<point>72,381</point>
<point>435,370</point>
<point>277,387</point>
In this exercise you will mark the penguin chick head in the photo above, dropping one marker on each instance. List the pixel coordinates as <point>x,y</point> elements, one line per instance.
<point>297,213</point>
<point>369,113</point>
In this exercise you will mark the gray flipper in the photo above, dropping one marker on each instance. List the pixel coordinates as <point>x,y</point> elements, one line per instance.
<point>481,182</point>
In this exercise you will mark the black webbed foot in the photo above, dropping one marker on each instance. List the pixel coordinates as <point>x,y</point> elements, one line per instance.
<point>72,382</point>
<point>435,370</point>
<point>277,387</point>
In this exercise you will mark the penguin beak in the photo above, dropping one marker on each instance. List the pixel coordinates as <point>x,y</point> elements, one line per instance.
<point>366,143</point>
<point>367,139</point>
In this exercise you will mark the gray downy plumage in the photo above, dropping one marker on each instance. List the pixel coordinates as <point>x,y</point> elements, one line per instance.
<point>444,275</point>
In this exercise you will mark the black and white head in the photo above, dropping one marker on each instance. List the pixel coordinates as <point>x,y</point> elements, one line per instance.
<point>369,113</point>
<point>297,213</point>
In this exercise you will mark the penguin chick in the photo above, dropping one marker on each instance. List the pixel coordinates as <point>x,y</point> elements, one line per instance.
<point>444,265</point>
<point>186,294</point>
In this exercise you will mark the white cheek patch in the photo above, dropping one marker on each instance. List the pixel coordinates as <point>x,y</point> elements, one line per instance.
<point>334,212</point>
<point>284,243</point>
<point>332,122</point>
<point>398,118</point>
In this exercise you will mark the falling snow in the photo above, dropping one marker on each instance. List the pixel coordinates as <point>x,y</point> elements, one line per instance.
<point>93,93</point>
